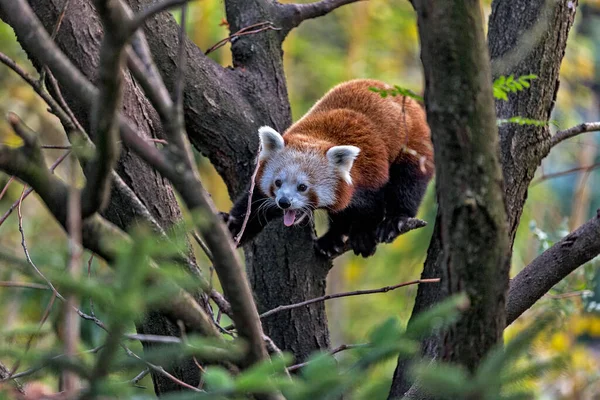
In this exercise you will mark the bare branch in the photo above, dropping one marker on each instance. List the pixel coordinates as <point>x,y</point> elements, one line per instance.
<point>154,9</point>
<point>553,175</point>
<point>292,15</point>
<point>29,190</point>
<point>552,266</point>
<point>332,352</point>
<point>346,294</point>
<point>70,333</point>
<point>248,30</point>
<point>106,107</point>
<point>25,285</point>
<point>574,131</point>
<point>68,120</point>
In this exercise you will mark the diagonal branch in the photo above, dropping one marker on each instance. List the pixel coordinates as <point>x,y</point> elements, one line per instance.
<point>106,106</point>
<point>574,131</point>
<point>552,266</point>
<point>292,15</point>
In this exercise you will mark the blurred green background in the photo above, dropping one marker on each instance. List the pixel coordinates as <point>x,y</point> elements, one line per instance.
<point>374,39</point>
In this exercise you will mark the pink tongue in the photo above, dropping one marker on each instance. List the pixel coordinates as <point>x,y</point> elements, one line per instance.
<point>289,217</point>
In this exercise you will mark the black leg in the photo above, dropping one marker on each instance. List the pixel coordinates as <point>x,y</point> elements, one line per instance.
<point>331,243</point>
<point>367,212</point>
<point>403,195</point>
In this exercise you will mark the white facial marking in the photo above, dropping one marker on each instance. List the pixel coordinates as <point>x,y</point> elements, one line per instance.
<point>270,140</point>
<point>342,158</point>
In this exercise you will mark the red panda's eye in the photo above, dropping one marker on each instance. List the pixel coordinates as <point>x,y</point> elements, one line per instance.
<point>302,187</point>
<point>278,182</point>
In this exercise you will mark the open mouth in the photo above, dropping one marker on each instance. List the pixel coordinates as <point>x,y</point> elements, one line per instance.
<point>291,217</point>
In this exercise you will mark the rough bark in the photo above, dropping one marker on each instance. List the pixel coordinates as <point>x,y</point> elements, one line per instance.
<point>524,146</point>
<point>79,37</point>
<point>521,147</point>
<point>471,217</point>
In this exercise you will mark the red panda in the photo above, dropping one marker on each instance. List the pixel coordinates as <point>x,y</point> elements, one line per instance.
<point>364,158</point>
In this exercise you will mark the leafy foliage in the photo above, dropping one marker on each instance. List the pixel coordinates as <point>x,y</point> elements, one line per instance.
<point>397,91</point>
<point>504,85</point>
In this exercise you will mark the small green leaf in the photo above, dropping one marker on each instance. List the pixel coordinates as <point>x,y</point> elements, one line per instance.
<point>218,379</point>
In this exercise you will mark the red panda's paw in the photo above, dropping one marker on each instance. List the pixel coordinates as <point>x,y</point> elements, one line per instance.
<point>233,224</point>
<point>363,243</point>
<point>329,245</point>
<point>390,228</point>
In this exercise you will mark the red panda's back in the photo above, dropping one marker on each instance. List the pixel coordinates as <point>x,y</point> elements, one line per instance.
<point>399,122</point>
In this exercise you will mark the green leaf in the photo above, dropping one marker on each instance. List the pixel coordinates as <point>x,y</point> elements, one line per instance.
<point>218,379</point>
<point>442,379</point>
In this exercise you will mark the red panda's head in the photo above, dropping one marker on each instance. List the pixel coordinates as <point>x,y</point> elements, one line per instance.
<point>300,179</point>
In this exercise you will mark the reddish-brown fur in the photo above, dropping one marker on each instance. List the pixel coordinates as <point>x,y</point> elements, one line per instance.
<point>387,130</point>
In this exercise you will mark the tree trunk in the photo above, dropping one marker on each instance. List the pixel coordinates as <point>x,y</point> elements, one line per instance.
<point>508,26</point>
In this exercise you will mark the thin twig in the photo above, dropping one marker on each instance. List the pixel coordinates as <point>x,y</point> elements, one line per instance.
<point>264,26</point>
<point>89,271</point>
<point>26,250</point>
<point>71,320</point>
<point>161,370</point>
<point>249,205</point>
<point>35,369</point>
<point>55,106</point>
<point>43,320</point>
<point>56,147</point>
<point>574,131</point>
<point>139,377</point>
<point>29,190</point>
<point>25,285</point>
<point>346,294</point>
<point>332,352</point>
<point>181,65</point>
<point>12,178</point>
<point>553,175</point>
<point>202,245</point>
<point>577,293</point>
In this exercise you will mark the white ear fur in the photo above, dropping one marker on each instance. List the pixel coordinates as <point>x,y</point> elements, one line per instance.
<point>270,140</point>
<point>342,158</point>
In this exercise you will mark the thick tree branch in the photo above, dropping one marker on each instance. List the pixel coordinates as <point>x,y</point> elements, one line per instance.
<point>552,266</point>
<point>96,192</point>
<point>574,131</point>
<point>293,15</point>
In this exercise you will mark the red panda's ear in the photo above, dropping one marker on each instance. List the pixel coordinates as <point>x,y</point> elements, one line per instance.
<point>270,140</point>
<point>342,158</point>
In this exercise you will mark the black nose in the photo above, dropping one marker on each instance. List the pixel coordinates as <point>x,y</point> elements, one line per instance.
<point>284,203</point>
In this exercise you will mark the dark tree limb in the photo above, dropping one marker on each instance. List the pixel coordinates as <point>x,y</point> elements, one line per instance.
<point>574,131</point>
<point>95,194</point>
<point>293,15</point>
<point>552,266</point>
